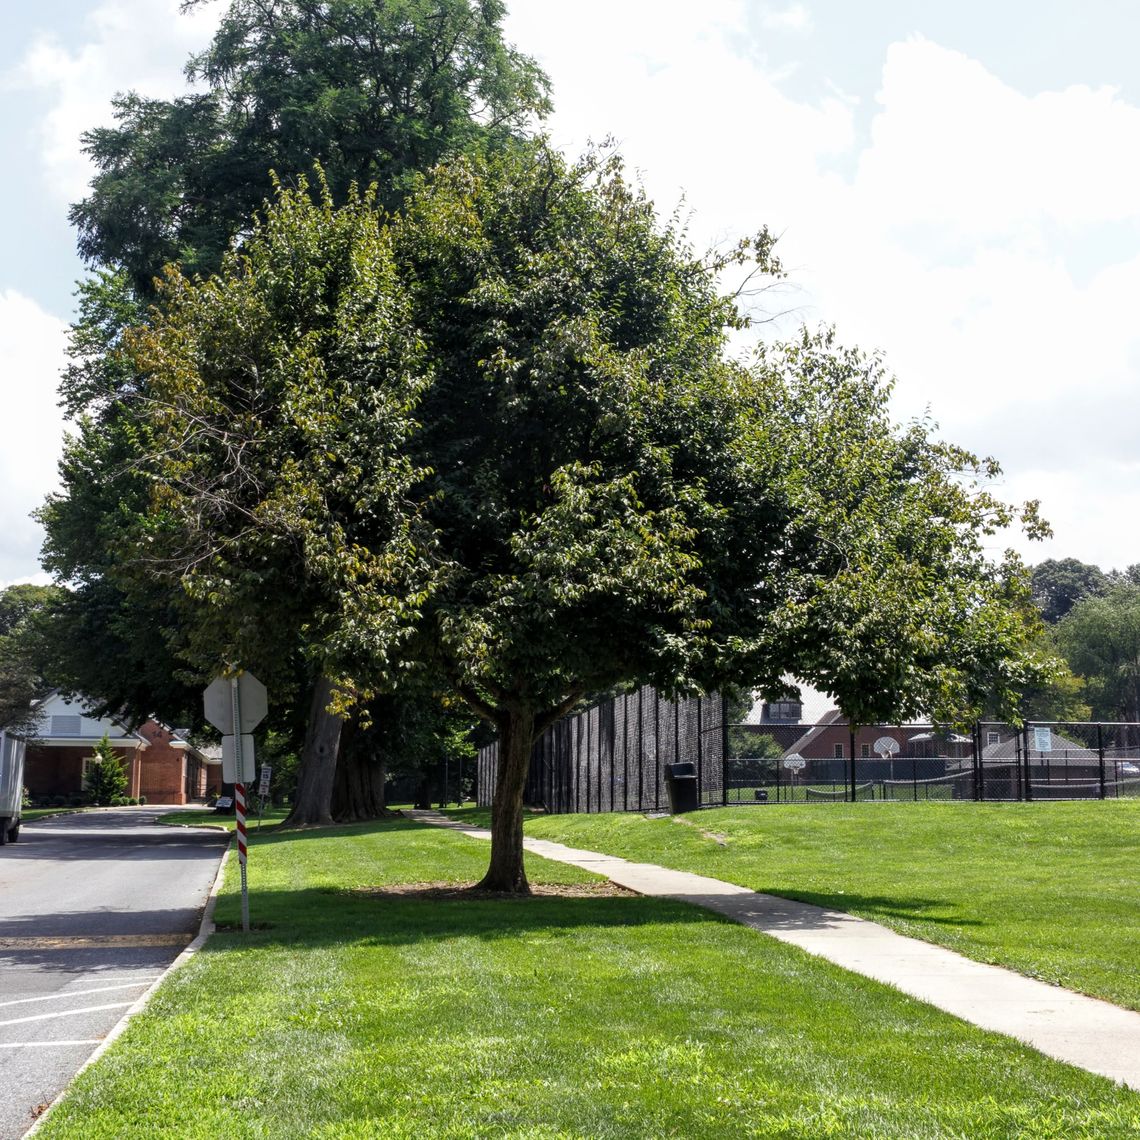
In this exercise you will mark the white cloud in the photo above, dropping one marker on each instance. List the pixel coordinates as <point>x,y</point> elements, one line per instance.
<point>963,150</point>
<point>952,250</point>
<point>137,45</point>
<point>793,18</point>
<point>32,345</point>
<point>688,107</point>
<point>981,312</point>
<point>970,238</point>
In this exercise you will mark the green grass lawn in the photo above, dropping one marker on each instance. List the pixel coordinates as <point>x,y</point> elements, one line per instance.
<point>350,1012</point>
<point>1049,889</point>
<point>30,815</point>
<point>199,818</point>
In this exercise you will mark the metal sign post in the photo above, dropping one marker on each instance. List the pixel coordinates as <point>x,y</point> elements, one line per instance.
<point>263,792</point>
<point>243,852</point>
<point>239,801</point>
<point>236,705</point>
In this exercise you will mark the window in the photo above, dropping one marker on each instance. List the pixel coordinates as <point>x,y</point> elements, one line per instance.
<point>784,711</point>
<point>839,752</point>
<point>993,737</point>
<point>865,751</point>
<point>62,725</point>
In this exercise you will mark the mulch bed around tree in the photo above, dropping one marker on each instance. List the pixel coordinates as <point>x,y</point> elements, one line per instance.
<point>435,892</point>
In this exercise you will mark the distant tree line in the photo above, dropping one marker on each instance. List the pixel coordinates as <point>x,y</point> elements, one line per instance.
<point>1092,620</point>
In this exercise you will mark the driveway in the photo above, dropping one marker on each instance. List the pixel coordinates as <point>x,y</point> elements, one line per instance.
<point>93,908</point>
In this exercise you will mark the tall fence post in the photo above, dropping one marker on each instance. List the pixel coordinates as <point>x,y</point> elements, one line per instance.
<point>589,715</point>
<point>1025,758</point>
<point>700,756</point>
<point>1100,756</point>
<point>724,757</point>
<point>577,764</point>
<point>851,764</point>
<point>979,783</point>
<point>612,734</point>
<point>676,740</point>
<point>641,748</point>
<point>656,750</point>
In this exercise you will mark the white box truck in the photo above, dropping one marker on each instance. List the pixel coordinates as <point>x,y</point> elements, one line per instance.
<point>11,786</point>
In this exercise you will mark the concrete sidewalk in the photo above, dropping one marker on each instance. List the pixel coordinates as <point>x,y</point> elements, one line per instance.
<point>1070,1027</point>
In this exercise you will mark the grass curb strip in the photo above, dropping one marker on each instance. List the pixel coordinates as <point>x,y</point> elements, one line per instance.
<point>205,929</point>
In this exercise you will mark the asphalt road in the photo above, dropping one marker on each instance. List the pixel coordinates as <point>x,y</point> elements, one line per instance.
<point>93,908</point>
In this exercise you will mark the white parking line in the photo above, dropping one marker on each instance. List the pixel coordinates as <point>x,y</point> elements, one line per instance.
<point>77,993</point>
<point>67,1013</point>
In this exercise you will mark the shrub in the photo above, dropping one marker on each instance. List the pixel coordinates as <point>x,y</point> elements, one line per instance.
<point>142,799</point>
<point>106,780</point>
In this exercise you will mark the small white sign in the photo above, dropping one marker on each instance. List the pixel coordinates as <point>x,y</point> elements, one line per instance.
<point>263,786</point>
<point>795,763</point>
<point>230,773</point>
<point>1043,739</point>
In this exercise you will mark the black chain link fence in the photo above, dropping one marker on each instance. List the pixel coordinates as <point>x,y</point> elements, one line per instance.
<point>616,757</point>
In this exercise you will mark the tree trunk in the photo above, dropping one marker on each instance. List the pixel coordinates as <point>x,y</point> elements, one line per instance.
<point>313,804</point>
<point>516,738</point>
<point>358,792</point>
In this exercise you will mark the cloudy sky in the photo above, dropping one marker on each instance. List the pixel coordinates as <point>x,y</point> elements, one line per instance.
<point>957,185</point>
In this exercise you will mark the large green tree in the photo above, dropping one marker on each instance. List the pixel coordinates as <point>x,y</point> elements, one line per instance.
<point>375,90</point>
<point>22,668</point>
<point>279,406</point>
<point>543,440</point>
<point>1059,584</point>
<point>1100,639</point>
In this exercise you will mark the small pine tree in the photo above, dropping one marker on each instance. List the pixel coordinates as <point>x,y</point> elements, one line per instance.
<point>106,779</point>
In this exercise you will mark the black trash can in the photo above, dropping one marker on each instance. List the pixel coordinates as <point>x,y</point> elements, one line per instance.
<point>681,785</point>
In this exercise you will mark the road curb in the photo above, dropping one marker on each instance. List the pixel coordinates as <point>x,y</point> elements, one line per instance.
<point>205,929</point>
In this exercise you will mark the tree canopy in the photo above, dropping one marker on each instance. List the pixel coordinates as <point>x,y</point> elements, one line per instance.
<point>1100,638</point>
<point>1058,584</point>
<point>497,437</point>
<point>22,666</point>
<point>374,90</point>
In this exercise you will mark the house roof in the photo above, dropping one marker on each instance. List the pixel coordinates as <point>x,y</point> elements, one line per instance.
<point>833,717</point>
<point>1062,747</point>
<point>66,723</point>
<point>815,705</point>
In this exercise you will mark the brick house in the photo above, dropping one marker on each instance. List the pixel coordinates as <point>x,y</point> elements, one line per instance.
<point>161,764</point>
<point>882,751</point>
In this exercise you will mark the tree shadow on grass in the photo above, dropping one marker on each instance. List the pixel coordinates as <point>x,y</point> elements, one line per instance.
<point>911,908</point>
<point>329,916</point>
<point>873,907</point>
<point>279,833</point>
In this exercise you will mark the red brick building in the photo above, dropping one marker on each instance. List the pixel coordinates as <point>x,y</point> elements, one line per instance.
<point>160,764</point>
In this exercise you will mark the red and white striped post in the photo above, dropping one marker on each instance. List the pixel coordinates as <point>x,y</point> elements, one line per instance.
<point>242,849</point>
<point>235,704</point>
